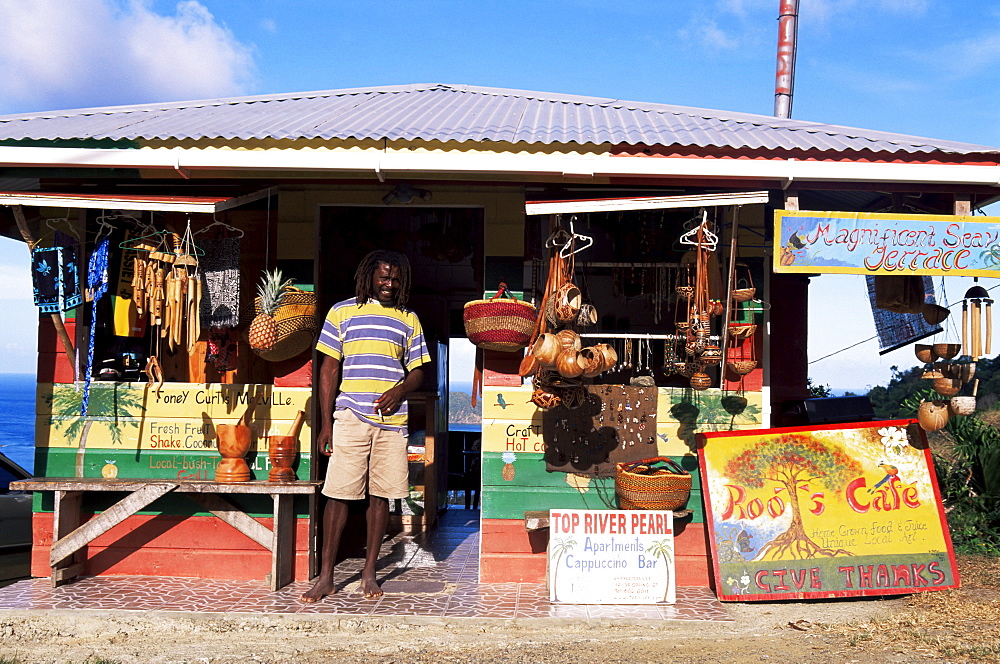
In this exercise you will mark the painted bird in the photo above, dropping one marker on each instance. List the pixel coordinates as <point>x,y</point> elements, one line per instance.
<point>500,401</point>
<point>890,472</point>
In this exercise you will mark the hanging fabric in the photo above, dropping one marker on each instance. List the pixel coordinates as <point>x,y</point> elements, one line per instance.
<point>45,274</point>
<point>97,283</point>
<point>895,328</point>
<point>220,277</point>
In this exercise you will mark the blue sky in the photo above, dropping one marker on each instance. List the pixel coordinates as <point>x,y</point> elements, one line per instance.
<point>922,67</point>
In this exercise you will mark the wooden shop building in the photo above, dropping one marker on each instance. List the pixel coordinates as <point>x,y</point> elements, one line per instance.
<point>632,202</point>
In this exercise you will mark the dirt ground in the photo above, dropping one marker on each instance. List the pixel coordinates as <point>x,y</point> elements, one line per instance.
<point>949,626</point>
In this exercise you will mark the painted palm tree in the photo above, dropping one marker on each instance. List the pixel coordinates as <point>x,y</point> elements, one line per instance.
<point>664,548</point>
<point>560,547</point>
<point>117,405</point>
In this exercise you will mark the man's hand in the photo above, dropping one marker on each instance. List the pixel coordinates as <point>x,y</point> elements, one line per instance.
<point>325,440</point>
<point>389,402</point>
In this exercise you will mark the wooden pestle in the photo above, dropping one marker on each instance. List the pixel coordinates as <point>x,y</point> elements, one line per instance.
<point>297,424</point>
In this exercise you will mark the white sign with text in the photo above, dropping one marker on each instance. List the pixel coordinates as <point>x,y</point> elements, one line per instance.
<point>611,557</point>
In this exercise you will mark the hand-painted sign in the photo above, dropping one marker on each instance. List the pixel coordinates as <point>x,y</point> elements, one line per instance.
<point>833,511</point>
<point>869,243</point>
<point>611,557</point>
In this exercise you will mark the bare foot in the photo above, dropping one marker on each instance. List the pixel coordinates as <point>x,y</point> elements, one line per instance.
<point>370,587</point>
<point>320,589</point>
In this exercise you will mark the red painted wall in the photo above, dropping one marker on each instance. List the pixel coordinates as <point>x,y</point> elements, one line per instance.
<point>201,547</point>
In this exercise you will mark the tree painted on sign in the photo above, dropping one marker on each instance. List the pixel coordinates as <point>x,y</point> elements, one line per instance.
<point>114,404</point>
<point>795,463</point>
<point>664,548</point>
<point>560,546</point>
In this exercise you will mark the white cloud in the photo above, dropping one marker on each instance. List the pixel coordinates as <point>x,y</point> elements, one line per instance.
<point>74,53</point>
<point>966,59</point>
<point>705,32</point>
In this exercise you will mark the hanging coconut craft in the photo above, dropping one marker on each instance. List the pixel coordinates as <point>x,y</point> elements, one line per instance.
<point>933,415</point>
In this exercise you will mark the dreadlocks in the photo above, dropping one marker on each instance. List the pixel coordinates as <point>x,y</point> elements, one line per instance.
<point>364,278</point>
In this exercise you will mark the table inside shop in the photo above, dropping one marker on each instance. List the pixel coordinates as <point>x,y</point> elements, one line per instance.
<point>69,535</point>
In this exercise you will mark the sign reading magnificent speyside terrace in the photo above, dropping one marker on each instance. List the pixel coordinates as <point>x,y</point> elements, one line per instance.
<point>827,511</point>
<point>869,243</point>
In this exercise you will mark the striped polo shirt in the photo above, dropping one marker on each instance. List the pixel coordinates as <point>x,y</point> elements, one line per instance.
<point>376,346</point>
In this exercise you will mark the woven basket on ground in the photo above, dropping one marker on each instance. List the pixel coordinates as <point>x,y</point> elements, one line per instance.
<point>658,483</point>
<point>296,319</point>
<point>500,323</point>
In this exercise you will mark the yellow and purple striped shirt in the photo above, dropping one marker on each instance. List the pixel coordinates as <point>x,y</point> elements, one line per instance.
<point>376,345</point>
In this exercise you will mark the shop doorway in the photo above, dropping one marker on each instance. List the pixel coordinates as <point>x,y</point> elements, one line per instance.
<point>445,249</point>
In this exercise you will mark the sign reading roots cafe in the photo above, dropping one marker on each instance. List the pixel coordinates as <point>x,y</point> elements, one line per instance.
<point>832,511</point>
<point>869,243</point>
<point>611,557</point>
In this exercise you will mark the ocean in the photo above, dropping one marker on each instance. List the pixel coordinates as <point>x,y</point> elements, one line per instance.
<point>17,426</point>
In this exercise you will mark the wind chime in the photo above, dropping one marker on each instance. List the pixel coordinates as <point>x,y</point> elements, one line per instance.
<point>166,287</point>
<point>977,322</point>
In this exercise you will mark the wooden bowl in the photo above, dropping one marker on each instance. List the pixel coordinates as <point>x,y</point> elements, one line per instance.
<point>925,353</point>
<point>592,361</point>
<point>962,405</point>
<point>947,351</point>
<point>568,363</point>
<point>947,387</point>
<point>701,381</point>
<point>569,340</point>
<point>546,349</point>
<point>609,355</point>
<point>933,415</point>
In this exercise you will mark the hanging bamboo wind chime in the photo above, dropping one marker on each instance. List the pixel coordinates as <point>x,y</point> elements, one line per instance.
<point>977,322</point>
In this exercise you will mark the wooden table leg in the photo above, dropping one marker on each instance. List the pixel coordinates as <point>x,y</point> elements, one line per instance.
<point>65,519</point>
<point>69,537</point>
<point>283,543</point>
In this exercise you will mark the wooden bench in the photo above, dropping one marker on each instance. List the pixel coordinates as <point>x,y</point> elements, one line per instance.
<point>69,536</point>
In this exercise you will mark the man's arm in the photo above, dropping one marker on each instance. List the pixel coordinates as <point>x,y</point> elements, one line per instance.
<point>329,382</point>
<point>389,402</point>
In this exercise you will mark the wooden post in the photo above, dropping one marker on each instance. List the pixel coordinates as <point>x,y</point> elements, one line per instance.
<point>963,205</point>
<point>57,321</point>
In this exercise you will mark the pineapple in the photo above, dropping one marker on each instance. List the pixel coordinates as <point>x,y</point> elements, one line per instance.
<point>507,472</point>
<point>264,328</point>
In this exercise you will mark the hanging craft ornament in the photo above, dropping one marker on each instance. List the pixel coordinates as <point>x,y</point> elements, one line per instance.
<point>977,322</point>
<point>97,283</point>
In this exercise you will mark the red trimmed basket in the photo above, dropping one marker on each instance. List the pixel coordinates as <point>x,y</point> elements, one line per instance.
<point>658,483</point>
<point>501,323</point>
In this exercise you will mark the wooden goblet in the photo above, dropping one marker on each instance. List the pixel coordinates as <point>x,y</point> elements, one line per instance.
<point>281,451</point>
<point>234,443</point>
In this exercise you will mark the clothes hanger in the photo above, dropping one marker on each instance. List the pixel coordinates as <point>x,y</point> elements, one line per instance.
<point>69,229</point>
<point>570,247</point>
<point>217,222</point>
<point>709,239</point>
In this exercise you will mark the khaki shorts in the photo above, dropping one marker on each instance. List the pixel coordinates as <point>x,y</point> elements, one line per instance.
<point>365,460</point>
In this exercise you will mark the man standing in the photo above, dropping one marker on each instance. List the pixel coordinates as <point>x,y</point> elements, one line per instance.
<point>374,353</point>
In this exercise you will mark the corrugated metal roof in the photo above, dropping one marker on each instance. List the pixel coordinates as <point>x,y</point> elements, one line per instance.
<point>439,112</point>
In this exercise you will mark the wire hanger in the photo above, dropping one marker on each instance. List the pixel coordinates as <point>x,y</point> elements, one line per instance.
<point>709,240</point>
<point>104,227</point>
<point>570,248</point>
<point>217,222</point>
<point>54,225</point>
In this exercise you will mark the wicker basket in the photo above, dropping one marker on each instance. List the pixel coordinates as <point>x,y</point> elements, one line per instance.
<point>297,325</point>
<point>641,485</point>
<point>500,323</point>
